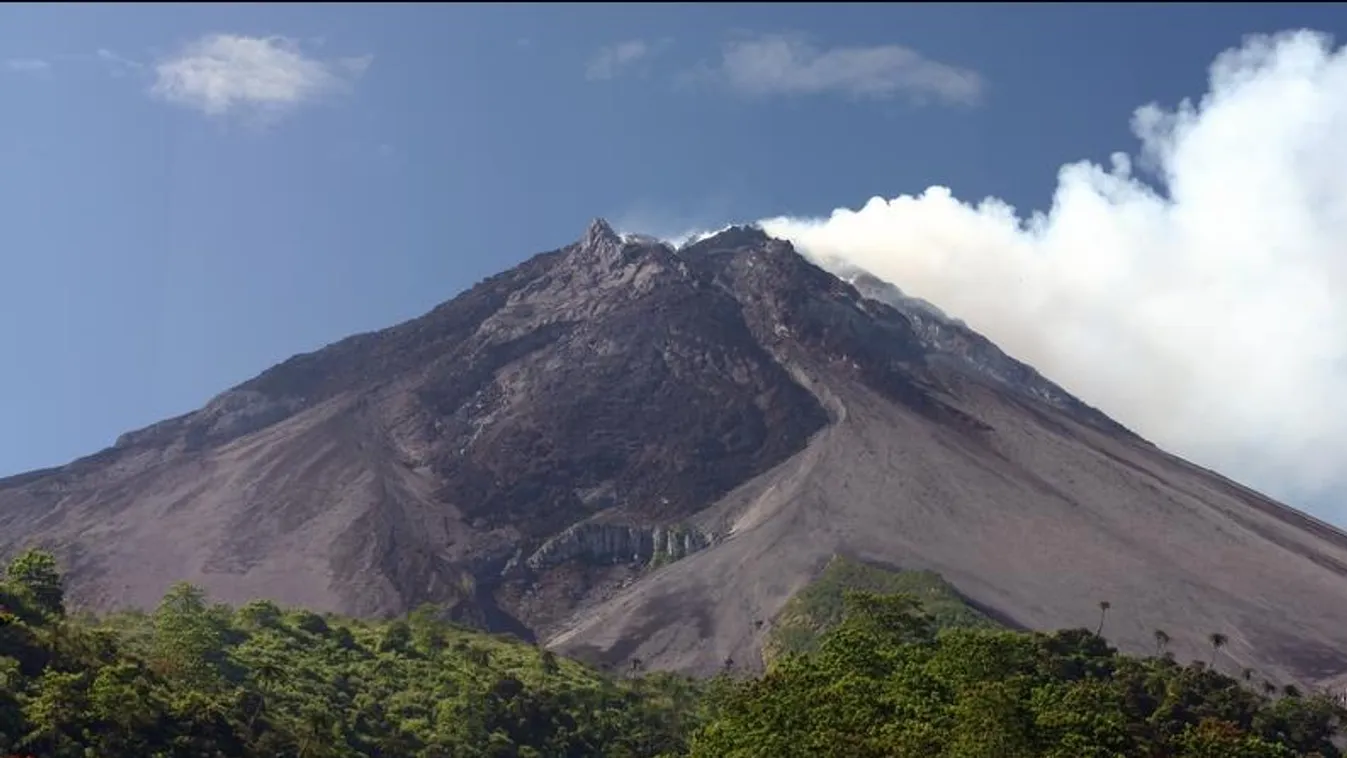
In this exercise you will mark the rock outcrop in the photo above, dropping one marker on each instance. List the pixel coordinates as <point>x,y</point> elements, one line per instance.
<point>599,542</point>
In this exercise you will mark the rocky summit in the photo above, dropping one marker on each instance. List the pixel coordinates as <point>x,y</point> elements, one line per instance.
<point>627,450</point>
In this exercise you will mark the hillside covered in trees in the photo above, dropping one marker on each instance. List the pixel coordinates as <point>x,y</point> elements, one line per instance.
<point>819,607</point>
<point>882,680</point>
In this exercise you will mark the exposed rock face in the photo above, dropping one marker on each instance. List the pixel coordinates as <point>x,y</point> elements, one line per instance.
<point>629,449</point>
<point>612,543</point>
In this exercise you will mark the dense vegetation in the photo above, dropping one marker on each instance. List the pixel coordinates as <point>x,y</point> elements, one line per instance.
<point>818,608</point>
<point>196,679</point>
<point>886,683</point>
<point>199,680</point>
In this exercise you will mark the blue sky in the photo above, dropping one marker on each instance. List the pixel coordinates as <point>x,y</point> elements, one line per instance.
<point>189,194</point>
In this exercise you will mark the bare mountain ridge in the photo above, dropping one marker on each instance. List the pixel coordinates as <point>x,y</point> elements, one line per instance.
<point>627,449</point>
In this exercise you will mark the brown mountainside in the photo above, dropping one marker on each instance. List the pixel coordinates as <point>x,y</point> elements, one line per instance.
<point>628,450</point>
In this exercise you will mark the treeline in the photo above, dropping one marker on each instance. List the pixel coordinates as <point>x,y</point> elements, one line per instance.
<point>195,680</point>
<point>198,679</point>
<point>887,683</point>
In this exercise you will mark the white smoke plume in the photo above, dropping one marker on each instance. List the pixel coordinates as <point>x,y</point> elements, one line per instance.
<point>1211,316</point>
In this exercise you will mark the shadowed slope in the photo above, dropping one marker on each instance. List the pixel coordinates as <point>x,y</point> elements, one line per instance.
<point>1037,518</point>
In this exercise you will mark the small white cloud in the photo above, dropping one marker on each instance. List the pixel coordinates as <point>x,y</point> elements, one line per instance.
<point>27,65</point>
<point>221,73</point>
<point>614,59</point>
<point>779,64</point>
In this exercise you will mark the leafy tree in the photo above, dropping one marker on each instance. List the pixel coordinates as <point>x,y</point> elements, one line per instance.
<point>396,638</point>
<point>260,614</point>
<point>34,572</point>
<point>187,642</point>
<point>308,621</point>
<point>428,631</point>
<point>56,709</point>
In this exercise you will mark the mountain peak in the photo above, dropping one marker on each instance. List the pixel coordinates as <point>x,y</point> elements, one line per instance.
<point>740,235</point>
<point>599,231</point>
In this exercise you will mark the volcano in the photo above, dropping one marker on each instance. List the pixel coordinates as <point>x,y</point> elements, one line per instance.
<point>625,449</point>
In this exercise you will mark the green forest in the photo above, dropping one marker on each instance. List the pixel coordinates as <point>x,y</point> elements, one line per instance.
<point>875,675</point>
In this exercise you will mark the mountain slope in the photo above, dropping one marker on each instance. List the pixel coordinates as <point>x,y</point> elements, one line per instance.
<point>631,450</point>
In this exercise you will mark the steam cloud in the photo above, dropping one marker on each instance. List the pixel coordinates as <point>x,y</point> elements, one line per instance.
<point>1210,317</point>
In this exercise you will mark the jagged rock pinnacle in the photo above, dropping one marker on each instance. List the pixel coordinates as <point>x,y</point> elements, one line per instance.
<point>598,231</point>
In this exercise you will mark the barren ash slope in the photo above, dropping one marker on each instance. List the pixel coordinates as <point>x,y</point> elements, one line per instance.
<point>622,449</point>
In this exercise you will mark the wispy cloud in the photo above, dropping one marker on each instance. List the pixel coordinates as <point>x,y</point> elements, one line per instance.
<point>222,73</point>
<point>613,60</point>
<point>789,65</point>
<point>118,65</point>
<point>357,65</point>
<point>26,65</point>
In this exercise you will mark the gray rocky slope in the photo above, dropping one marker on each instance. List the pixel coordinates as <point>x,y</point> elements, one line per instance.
<point>625,450</point>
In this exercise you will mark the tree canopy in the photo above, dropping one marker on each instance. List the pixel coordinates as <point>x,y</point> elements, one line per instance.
<point>887,683</point>
<point>194,678</point>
